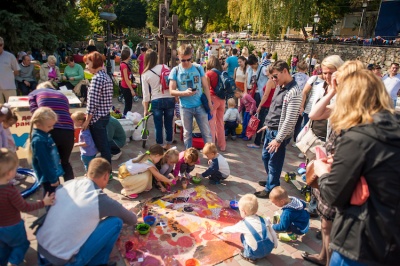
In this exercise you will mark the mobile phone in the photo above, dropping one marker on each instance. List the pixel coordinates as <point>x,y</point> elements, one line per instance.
<point>194,89</point>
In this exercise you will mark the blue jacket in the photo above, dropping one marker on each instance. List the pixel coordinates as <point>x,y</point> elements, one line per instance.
<point>293,213</point>
<point>46,160</point>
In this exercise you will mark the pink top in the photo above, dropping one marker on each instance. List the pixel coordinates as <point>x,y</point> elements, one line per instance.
<point>180,162</point>
<point>123,66</point>
<point>248,103</point>
<point>141,63</point>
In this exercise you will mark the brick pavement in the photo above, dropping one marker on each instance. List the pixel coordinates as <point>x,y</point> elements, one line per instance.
<point>246,170</point>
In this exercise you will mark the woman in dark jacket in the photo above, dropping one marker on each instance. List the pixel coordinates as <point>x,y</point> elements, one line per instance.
<point>369,146</point>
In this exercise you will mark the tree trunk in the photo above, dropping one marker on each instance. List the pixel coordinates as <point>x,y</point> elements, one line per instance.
<point>304,32</point>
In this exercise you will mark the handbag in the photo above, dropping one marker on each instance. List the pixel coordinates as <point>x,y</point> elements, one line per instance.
<point>360,193</point>
<point>307,141</point>
<point>252,126</point>
<point>311,177</point>
<point>254,85</point>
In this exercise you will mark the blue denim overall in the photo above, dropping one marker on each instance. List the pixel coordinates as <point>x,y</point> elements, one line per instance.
<point>264,244</point>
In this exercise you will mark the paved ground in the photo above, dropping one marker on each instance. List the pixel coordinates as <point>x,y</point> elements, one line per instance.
<point>246,169</point>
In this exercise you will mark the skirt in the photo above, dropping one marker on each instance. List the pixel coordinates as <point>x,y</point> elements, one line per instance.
<point>135,184</point>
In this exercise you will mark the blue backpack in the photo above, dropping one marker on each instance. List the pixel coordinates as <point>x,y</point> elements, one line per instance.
<point>226,86</point>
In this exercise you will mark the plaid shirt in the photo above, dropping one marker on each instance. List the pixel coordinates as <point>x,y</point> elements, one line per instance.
<point>99,96</point>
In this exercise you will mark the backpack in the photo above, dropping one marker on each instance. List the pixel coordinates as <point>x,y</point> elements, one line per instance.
<point>226,85</point>
<point>131,76</point>
<point>164,81</point>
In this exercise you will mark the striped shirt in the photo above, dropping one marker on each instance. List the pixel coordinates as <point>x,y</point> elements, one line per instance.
<point>12,204</point>
<point>99,96</point>
<point>285,108</point>
<point>55,100</point>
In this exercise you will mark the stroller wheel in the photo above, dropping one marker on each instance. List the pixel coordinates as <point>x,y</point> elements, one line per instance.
<point>121,99</point>
<point>135,99</point>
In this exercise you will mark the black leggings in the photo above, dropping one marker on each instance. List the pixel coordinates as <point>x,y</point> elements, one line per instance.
<point>126,92</point>
<point>64,140</point>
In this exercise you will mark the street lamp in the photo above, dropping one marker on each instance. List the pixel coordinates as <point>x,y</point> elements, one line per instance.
<point>108,16</point>
<point>313,40</point>
<point>364,7</point>
<point>248,33</point>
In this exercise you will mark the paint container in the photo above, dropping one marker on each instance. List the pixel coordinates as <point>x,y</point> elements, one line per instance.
<point>149,219</point>
<point>192,262</point>
<point>234,204</point>
<point>145,211</point>
<point>276,218</point>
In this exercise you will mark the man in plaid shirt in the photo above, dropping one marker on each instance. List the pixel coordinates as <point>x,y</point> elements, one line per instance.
<point>99,104</point>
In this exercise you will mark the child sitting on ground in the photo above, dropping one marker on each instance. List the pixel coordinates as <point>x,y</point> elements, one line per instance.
<point>85,143</point>
<point>218,168</point>
<point>231,119</point>
<point>166,166</point>
<point>136,175</point>
<point>186,162</point>
<point>13,239</point>
<point>257,236</point>
<point>248,105</point>
<point>294,219</point>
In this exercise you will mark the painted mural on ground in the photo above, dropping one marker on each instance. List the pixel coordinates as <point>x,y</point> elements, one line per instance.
<point>183,232</point>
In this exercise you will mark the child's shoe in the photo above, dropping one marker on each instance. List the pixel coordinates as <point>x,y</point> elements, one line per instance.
<point>14,182</point>
<point>19,176</point>
<point>247,258</point>
<point>133,196</point>
<point>233,137</point>
<point>214,182</point>
<point>285,237</point>
<point>246,139</point>
<point>240,136</point>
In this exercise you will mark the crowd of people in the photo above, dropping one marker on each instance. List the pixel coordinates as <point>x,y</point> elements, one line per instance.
<point>347,107</point>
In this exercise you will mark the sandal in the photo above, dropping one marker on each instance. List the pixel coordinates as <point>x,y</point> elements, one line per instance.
<point>306,256</point>
<point>246,258</point>
<point>253,146</point>
<point>133,196</point>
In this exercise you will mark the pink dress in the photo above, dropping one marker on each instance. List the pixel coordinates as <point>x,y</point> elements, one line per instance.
<point>141,63</point>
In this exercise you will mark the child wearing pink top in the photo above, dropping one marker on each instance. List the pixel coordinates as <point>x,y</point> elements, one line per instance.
<point>186,163</point>
<point>248,105</point>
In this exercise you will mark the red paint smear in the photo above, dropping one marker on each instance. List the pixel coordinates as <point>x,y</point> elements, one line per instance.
<point>196,236</point>
<point>208,236</point>
<point>159,230</point>
<point>165,237</point>
<point>185,242</point>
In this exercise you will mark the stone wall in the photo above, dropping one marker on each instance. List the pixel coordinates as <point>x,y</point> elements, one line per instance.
<point>369,55</point>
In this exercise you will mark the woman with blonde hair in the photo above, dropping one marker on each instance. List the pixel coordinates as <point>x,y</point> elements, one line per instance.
<point>245,52</point>
<point>367,153</point>
<point>91,47</point>
<point>50,72</point>
<point>162,103</point>
<point>217,120</point>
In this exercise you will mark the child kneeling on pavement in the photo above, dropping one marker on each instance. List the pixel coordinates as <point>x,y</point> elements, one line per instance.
<point>257,236</point>
<point>218,167</point>
<point>294,220</point>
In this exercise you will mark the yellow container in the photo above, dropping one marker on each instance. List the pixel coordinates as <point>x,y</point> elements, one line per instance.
<point>239,129</point>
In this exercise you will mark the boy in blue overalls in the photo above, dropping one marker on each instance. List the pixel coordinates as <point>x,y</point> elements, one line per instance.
<point>257,236</point>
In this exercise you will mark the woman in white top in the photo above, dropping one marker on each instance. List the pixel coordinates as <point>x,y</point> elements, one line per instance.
<point>162,103</point>
<point>245,52</point>
<point>240,73</point>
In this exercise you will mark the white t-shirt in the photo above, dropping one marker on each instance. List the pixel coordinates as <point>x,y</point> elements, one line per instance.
<point>8,64</point>
<point>315,81</point>
<point>392,85</point>
<point>301,79</point>
<point>150,79</point>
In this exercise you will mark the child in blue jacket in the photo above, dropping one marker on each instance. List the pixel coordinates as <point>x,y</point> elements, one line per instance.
<point>294,220</point>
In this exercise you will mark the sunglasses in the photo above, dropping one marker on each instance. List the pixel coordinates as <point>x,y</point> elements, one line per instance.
<point>186,60</point>
<point>274,77</point>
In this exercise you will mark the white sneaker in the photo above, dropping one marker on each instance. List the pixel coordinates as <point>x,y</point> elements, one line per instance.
<point>116,156</point>
<point>19,176</point>
<point>14,182</point>
<point>294,145</point>
<point>301,156</point>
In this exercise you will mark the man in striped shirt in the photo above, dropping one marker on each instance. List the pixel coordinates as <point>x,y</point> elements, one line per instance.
<point>279,125</point>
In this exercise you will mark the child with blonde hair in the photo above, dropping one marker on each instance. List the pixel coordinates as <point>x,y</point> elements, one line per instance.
<point>231,119</point>
<point>186,163</point>
<point>136,175</point>
<point>86,144</point>
<point>166,166</point>
<point>218,167</point>
<point>257,236</point>
<point>294,220</point>
<point>13,239</point>
<point>42,151</point>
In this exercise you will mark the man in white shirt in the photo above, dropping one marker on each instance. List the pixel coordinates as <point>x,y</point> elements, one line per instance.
<point>9,68</point>
<point>392,82</point>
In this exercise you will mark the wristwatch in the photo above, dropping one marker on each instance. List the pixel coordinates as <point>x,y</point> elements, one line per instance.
<point>278,141</point>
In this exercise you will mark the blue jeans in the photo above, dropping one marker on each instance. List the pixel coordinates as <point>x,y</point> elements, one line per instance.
<point>97,248</point>
<point>163,112</point>
<point>305,120</point>
<point>246,119</point>
<point>262,115</point>
<point>13,244</point>
<point>395,103</point>
<point>338,259</point>
<point>99,135</point>
<point>264,244</point>
<point>230,128</point>
<point>273,162</point>
<point>187,115</point>
<point>86,160</point>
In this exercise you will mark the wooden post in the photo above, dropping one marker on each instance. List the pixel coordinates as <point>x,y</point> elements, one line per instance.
<point>167,32</point>
<point>174,40</point>
<point>161,25</point>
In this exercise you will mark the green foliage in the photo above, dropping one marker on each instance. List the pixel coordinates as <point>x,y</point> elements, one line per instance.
<point>275,56</point>
<point>131,13</point>
<point>289,60</point>
<point>77,28</point>
<point>26,23</point>
<point>89,9</point>
<point>152,11</point>
<point>247,44</point>
<point>134,37</point>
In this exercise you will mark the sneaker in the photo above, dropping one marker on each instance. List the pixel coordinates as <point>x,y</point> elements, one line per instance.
<point>214,182</point>
<point>246,139</point>
<point>133,196</point>
<point>233,138</point>
<point>301,155</point>
<point>247,258</point>
<point>262,183</point>
<point>14,182</point>
<point>240,136</point>
<point>262,194</point>
<point>294,145</point>
<point>285,237</point>
<point>116,156</point>
<point>19,176</point>
<point>318,235</point>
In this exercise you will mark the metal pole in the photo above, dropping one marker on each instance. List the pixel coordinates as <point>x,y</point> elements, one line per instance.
<point>312,51</point>
<point>108,50</point>
<point>359,28</point>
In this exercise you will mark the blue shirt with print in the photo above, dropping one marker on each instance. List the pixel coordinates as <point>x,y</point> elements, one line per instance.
<point>233,63</point>
<point>188,78</point>
<point>262,78</point>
